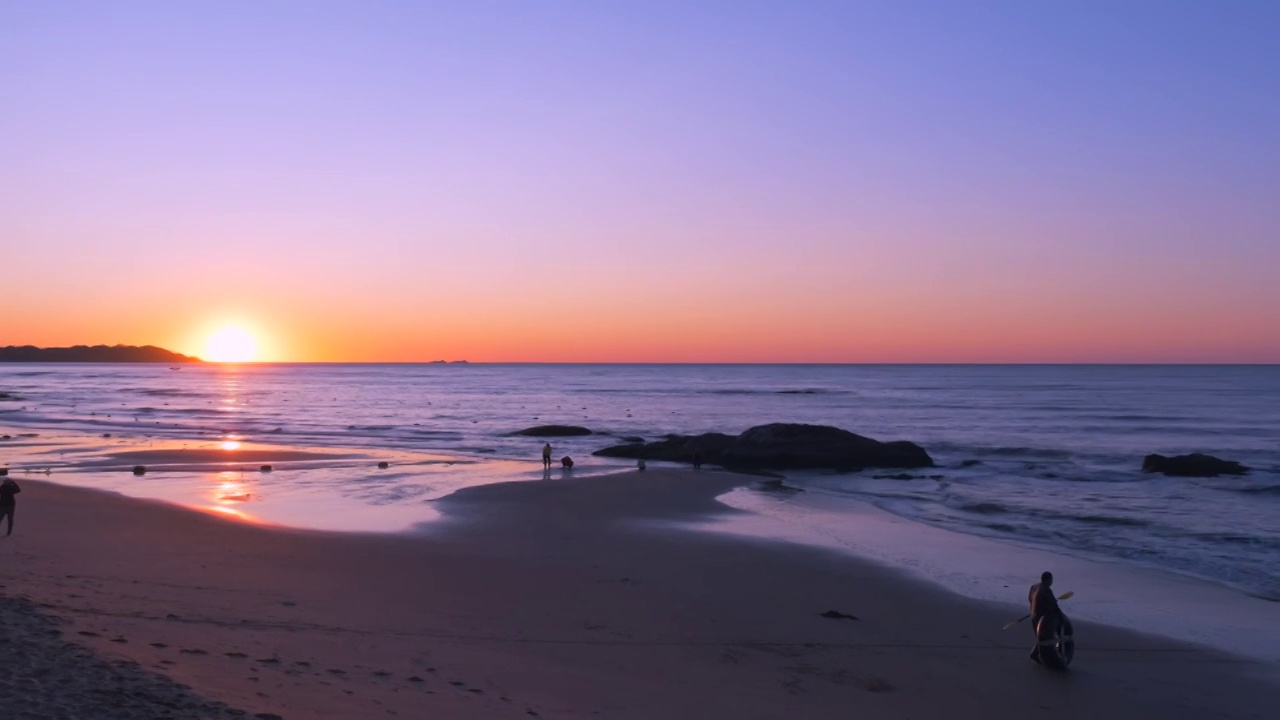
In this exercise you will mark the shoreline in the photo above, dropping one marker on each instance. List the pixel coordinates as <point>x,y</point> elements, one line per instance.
<point>559,600</point>
<point>181,474</point>
<point>1118,593</point>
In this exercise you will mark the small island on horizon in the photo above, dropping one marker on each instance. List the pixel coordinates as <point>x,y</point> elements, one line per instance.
<point>94,354</point>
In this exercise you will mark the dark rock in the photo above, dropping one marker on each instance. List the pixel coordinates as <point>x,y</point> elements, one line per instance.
<point>837,615</point>
<point>265,468</point>
<point>677,448</point>
<point>899,476</point>
<point>970,463</point>
<point>633,439</point>
<point>1193,465</point>
<point>554,431</point>
<point>780,446</point>
<point>139,469</point>
<point>383,465</point>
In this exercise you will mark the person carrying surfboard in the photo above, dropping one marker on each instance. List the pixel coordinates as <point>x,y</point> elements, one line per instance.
<point>1044,609</point>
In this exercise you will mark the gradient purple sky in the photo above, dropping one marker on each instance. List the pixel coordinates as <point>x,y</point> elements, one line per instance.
<point>648,181</point>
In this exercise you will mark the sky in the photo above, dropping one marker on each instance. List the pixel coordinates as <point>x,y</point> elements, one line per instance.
<point>899,181</point>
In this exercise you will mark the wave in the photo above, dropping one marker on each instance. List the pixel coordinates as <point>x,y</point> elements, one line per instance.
<point>439,434</point>
<point>1263,490</point>
<point>1027,452</point>
<point>1002,527</point>
<point>985,508</point>
<point>719,391</point>
<point>1108,520</point>
<point>1237,539</point>
<point>991,508</point>
<point>1013,451</point>
<point>166,392</point>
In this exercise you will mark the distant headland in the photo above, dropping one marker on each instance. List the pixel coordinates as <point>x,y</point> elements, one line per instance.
<point>94,354</point>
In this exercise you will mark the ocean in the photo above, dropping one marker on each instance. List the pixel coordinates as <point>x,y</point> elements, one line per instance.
<point>1058,449</point>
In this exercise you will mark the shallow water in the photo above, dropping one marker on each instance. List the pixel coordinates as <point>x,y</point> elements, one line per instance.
<point>1059,447</point>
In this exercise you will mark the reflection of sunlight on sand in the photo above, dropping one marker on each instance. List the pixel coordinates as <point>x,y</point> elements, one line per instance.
<point>232,492</point>
<point>231,513</point>
<point>318,488</point>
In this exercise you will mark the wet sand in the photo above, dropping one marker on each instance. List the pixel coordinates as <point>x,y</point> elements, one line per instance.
<point>554,599</point>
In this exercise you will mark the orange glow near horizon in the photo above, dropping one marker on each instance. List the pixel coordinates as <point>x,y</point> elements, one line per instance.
<point>784,325</point>
<point>815,312</point>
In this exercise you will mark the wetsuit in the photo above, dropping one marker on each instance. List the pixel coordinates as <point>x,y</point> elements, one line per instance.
<point>8,502</point>
<point>1044,606</point>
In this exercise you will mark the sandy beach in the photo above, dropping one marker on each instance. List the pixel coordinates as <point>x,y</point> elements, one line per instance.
<point>553,599</point>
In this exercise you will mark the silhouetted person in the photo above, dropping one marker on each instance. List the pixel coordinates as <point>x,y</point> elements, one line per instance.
<point>566,462</point>
<point>546,456</point>
<point>640,465</point>
<point>8,488</point>
<point>697,459</point>
<point>1044,607</point>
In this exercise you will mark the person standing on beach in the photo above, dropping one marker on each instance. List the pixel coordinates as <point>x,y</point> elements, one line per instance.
<point>8,488</point>
<point>546,456</point>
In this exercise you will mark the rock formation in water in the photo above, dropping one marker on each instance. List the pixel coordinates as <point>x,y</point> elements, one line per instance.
<point>1193,465</point>
<point>96,353</point>
<point>781,446</point>
<point>554,431</point>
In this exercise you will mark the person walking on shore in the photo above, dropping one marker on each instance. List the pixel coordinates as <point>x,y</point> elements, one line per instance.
<point>546,456</point>
<point>8,488</point>
<point>1044,608</point>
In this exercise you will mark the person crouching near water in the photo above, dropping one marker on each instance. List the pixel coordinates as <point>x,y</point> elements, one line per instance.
<point>546,456</point>
<point>1044,608</point>
<point>8,488</point>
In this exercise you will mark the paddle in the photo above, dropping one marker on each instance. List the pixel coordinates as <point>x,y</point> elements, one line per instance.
<point>1063,596</point>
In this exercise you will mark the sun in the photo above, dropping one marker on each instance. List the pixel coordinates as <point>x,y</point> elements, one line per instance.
<point>231,345</point>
